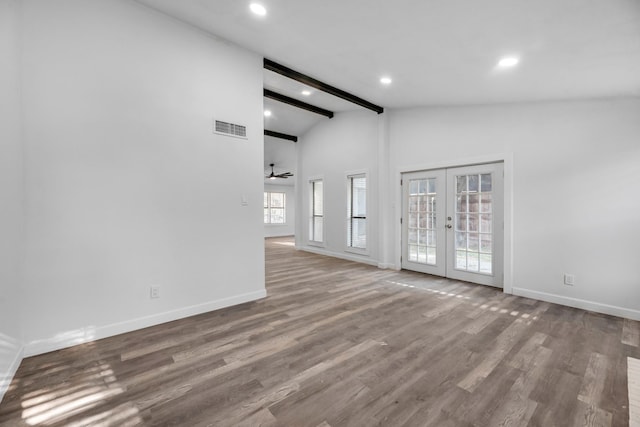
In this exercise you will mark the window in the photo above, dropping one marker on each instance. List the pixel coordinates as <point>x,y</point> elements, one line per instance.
<point>316,223</point>
<point>274,208</point>
<point>357,212</point>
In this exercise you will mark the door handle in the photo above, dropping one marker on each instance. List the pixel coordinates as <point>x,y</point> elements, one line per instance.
<point>449,226</point>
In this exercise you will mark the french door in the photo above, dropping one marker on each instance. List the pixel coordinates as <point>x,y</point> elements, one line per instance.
<point>452,223</point>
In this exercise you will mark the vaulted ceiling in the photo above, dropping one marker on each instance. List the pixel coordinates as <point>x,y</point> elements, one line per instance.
<point>437,52</point>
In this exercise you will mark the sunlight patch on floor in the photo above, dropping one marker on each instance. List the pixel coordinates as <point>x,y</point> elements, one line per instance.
<point>48,406</point>
<point>488,307</point>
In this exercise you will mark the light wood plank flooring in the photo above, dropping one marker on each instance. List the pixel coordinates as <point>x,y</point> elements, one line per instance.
<point>338,343</point>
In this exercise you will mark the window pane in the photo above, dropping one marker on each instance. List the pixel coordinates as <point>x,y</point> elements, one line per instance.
<point>461,259</point>
<point>472,241</point>
<point>277,200</point>
<point>472,261</point>
<point>474,203</point>
<point>485,263</point>
<point>461,184</point>
<point>266,215</point>
<point>485,223</point>
<point>423,188</point>
<point>485,243</point>
<point>431,256</point>
<point>317,229</point>
<point>317,198</point>
<point>473,183</point>
<point>357,212</point>
<point>485,182</point>
<point>359,233</point>
<point>461,203</point>
<point>431,186</point>
<point>431,204</point>
<point>413,253</point>
<point>413,187</point>
<point>277,216</point>
<point>485,203</point>
<point>422,254</point>
<point>413,203</point>
<point>473,223</point>
<point>413,236</point>
<point>266,200</point>
<point>359,196</point>
<point>413,220</point>
<point>422,237</point>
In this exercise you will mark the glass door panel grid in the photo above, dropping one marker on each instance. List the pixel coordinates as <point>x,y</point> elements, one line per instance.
<point>421,229</point>
<point>474,223</point>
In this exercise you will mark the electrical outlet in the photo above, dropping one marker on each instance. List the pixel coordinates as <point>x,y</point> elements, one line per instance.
<point>569,279</point>
<point>154,292</point>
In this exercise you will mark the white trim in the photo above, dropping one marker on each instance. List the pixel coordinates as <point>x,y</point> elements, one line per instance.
<point>91,333</point>
<point>612,310</point>
<point>507,159</point>
<point>309,215</point>
<point>633,385</point>
<point>7,377</point>
<point>358,251</point>
<point>341,255</point>
<point>387,265</point>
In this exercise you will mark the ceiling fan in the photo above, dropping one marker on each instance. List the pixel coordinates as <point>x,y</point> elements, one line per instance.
<point>278,175</point>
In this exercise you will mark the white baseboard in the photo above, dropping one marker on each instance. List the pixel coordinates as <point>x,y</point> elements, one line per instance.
<point>341,255</point>
<point>7,377</point>
<point>388,265</point>
<point>579,303</point>
<point>87,334</point>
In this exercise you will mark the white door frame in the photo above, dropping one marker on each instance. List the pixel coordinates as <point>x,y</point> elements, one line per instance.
<point>507,159</point>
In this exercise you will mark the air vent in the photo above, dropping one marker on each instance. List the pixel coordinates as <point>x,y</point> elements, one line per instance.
<point>230,129</point>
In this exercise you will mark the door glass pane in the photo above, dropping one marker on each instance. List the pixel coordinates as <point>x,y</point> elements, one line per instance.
<point>421,225</point>
<point>413,237</point>
<point>485,185</point>
<point>474,223</point>
<point>485,263</point>
<point>413,253</point>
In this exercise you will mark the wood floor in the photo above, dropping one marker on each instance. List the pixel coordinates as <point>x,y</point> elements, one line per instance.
<point>338,343</point>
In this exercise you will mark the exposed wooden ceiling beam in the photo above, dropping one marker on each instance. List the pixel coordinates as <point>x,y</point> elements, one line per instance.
<point>317,84</point>
<point>297,103</point>
<point>280,135</point>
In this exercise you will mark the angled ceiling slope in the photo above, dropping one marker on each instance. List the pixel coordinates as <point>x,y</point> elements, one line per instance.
<point>439,52</point>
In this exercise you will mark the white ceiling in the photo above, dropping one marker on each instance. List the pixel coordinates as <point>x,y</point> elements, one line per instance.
<point>283,154</point>
<point>438,52</point>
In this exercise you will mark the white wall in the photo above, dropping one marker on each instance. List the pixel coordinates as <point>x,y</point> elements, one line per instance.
<point>572,169</point>
<point>346,143</point>
<point>574,177</point>
<point>11,193</point>
<point>288,228</point>
<point>126,184</point>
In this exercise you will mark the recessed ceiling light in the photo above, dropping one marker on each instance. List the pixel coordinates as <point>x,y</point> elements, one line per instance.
<point>267,113</point>
<point>306,92</point>
<point>508,61</point>
<point>385,80</point>
<point>258,9</point>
